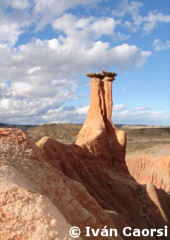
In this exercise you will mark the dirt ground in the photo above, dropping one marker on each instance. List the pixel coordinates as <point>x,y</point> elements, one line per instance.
<point>154,142</point>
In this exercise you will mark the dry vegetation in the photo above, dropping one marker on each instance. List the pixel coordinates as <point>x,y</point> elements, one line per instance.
<point>61,132</point>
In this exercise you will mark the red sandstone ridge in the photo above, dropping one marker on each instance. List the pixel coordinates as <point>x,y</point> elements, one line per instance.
<point>98,133</point>
<point>47,187</point>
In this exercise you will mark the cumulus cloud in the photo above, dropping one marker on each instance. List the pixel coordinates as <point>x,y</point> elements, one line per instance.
<point>159,45</point>
<point>13,24</point>
<point>50,73</point>
<point>84,29</point>
<point>48,60</point>
<point>48,10</point>
<point>16,108</point>
<point>38,78</point>
<point>10,31</point>
<point>26,13</point>
<point>42,75</point>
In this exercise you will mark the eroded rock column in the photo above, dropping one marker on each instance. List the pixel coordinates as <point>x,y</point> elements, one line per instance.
<point>107,81</point>
<point>97,109</point>
<point>98,134</point>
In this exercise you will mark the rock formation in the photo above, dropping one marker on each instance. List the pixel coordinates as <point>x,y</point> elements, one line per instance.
<point>33,193</point>
<point>47,187</point>
<point>98,133</point>
<point>148,170</point>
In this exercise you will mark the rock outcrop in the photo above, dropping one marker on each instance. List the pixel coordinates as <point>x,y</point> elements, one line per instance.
<point>47,187</point>
<point>31,186</point>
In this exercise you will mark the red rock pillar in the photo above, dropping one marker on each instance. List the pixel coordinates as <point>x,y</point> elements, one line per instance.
<point>97,110</point>
<point>107,80</point>
<point>98,134</point>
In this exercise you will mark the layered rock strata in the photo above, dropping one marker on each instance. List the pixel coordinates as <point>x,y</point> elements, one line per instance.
<point>146,169</point>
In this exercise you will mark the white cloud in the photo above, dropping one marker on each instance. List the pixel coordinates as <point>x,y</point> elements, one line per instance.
<point>119,107</point>
<point>49,76</point>
<point>121,114</point>
<point>25,13</point>
<point>44,61</point>
<point>82,110</point>
<point>9,32</point>
<point>42,75</point>
<point>84,29</point>
<point>153,18</point>
<point>67,114</point>
<point>126,56</point>
<point>141,115</point>
<point>149,22</point>
<point>18,109</point>
<point>13,25</point>
<point>38,78</point>
<point>146,23</point>
<point>34,69</point>
<point>18,4</point>
<point>27,113</point>
<point>142,109</point>
<point>127,7</point>
<point>159,45</point>
<point>138,22</point>
<point>48,10</point>
<point>41,12</point>
<point>36,110</point>
<point>103,26</point>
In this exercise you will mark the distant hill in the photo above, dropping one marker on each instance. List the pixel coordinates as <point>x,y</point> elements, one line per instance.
<point>139,137</point>
<point>67,132</point>
<point>23,127</point>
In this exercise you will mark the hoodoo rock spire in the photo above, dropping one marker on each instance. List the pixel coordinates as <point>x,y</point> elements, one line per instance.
<point>98,133</point>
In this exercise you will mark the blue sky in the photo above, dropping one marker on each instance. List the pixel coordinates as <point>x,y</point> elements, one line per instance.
<point>47,47</point>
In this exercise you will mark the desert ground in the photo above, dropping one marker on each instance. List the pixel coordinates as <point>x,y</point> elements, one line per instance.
<point>141,140</point>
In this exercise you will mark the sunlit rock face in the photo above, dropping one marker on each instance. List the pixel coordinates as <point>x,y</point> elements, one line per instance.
<point>48,186</point>
<point>98,134</point>
<point>37,199</point>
